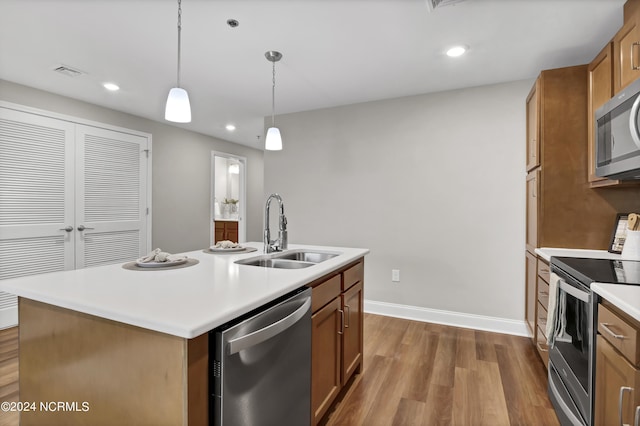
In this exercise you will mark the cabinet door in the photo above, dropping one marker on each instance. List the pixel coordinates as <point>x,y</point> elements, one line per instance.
<point>111,196</point>
<point>326,347</point>
<point>600,91</point>
<point>533,148</point>
<point>532,210</point>
<point>352,300</point>
<point>627,55</point>
<point>231,231</point>
<point>531,293</point>
<point>615,376</point>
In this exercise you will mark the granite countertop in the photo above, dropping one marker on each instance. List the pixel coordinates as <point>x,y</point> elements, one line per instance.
<point>184,302</point>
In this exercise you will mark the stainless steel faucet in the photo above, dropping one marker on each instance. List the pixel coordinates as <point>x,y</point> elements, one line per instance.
<point>282,241</point>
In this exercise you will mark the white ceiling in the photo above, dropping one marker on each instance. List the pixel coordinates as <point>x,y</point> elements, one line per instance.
<point>336,52</point>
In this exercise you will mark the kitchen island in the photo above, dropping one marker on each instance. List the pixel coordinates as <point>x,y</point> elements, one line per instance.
<point>108,345</point>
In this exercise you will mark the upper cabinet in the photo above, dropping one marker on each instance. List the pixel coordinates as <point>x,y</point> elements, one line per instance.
<point>626,48</point>
<point>533,149</point>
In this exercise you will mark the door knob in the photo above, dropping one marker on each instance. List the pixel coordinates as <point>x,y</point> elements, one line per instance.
<point>82,228</point>
<point>67,228</point>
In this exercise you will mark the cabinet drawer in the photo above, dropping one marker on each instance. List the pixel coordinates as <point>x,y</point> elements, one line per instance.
<point>325,292</point>
<point>353,275</point>
<point>543,270</point>
<point>543,293</point>
<point>542,347</point>
<point>542,320</point>
<point>617,331</point>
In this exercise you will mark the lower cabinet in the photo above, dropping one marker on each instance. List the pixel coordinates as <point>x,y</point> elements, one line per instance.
<point>617,393</point>
<point>226,230</point>
<point>337,340</point>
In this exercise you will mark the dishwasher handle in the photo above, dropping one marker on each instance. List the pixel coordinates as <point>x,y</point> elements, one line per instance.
<point>266,333</point>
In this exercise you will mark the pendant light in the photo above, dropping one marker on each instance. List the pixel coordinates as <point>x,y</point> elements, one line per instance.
<point>273,141</point>
<point>178,108</point>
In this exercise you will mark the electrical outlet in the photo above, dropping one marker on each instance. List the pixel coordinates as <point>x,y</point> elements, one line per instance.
<point>395,275</point>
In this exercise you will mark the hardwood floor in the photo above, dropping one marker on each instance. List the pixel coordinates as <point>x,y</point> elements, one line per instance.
<point>9,373</point>
<point>427,374</point>
<point>414,374</point>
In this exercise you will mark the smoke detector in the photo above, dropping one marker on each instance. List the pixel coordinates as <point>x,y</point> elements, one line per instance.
<point>68,71</point>
<point>435,4</point>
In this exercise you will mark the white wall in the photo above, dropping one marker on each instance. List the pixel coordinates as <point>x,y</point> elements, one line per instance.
<point>433,185</point>
<point>181,167</point>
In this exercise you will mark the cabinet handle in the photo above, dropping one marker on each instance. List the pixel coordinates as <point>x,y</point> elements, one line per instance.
<point>633,62</point>
<point>636,418</point>
<point>67,228</point>
<point>347,314</point>
<point>623,389</point>
<point>540,348</point>
<point>82,228</point>
<point>605,327</point>
<point>341,331</point>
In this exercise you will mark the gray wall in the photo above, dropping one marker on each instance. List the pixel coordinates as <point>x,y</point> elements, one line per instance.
<point>181,167</point>
<point>433,185</point>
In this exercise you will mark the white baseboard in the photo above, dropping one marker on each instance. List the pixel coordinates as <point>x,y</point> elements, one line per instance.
<point>8,317</point>
<point>456,319</point>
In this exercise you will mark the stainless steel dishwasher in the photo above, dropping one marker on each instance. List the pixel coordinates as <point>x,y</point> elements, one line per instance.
<point>261,365</point>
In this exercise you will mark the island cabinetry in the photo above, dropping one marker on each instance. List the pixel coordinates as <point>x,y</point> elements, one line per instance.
<point>337,340</point>
<point>106,372</point>
<point>226,230</point>
<point>617,396</point>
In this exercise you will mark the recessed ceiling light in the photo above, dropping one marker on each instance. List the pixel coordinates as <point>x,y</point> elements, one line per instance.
<point>230,127</point>
<point>111,86</point>
<point>456,51</point>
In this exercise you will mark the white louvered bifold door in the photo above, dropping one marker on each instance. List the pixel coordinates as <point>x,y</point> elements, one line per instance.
<point>36,199</point>
<point>111,170</point>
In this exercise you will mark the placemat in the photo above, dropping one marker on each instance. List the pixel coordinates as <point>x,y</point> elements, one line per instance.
<point>246,250</point>
<point>132,266</point>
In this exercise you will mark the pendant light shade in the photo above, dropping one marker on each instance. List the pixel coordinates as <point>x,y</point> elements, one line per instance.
<point>178,108</point>
<point>273,141</point>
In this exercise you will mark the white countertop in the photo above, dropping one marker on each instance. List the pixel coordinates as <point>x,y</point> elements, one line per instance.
<point>184,302</point>
<point>547,252</point>
<point>625,297</point>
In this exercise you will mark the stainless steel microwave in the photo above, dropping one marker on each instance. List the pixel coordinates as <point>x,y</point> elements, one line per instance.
<point>618,135</point>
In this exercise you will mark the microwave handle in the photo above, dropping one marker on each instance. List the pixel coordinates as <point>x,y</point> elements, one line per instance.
<point>633,122</point>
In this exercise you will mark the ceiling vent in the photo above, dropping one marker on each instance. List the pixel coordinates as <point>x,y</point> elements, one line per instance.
<point>435,4</point>
<point>68,71</point>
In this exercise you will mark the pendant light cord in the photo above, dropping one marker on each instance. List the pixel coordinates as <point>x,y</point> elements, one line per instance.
<point>273,97</point>
<point>179,37</point>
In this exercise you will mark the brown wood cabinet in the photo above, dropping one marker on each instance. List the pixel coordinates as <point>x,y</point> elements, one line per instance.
<point>531,291</point>
<point>337,340</point>
<point>226,230</point>
<point>626,51</point>
<point>617,394</point>
<point>542,306</point>
<point>533,151</point>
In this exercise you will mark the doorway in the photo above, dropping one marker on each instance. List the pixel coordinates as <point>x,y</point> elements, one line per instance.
<point>228,197</point>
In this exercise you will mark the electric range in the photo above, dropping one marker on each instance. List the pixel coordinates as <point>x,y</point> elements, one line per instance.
<point>572,351</point>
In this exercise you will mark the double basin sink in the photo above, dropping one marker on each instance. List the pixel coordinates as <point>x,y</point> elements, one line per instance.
<point>293,259</point>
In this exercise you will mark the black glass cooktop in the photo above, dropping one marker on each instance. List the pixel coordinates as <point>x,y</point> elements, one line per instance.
<point>600,270</point>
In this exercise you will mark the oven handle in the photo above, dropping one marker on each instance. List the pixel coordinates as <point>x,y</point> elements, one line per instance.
<point>563,405</point>
<point>568,288</point>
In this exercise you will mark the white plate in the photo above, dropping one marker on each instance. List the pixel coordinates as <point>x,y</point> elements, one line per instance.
<point>161,264</point>
<point>214,248</point>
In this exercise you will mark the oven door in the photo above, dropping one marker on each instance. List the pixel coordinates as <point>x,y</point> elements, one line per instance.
<point>571,354</point>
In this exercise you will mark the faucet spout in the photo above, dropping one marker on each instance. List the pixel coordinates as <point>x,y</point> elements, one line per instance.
<point>281,242</point>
